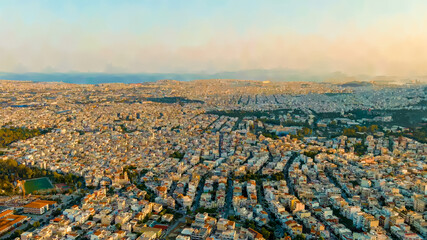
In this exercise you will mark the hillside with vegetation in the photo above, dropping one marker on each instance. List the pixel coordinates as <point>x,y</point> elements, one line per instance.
<point>13,134</point>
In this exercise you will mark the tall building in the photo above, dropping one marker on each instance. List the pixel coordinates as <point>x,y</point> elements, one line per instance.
<point>419,202</point>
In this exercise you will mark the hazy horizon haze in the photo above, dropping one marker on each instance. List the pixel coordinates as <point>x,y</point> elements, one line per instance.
<point>353,37</point>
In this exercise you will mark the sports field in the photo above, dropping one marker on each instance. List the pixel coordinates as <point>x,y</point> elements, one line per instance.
<point>37,184</point>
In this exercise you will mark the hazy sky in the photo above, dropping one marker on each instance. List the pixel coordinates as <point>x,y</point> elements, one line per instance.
<point>352,36</point>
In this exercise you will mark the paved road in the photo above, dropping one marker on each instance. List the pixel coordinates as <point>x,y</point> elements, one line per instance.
<point>332,180</point>
<point>172,227</point>
<point>286,172</point>
<point>279,231</point>
<point>199,192</point>
<point>228,197</point>
<point>221,136</point>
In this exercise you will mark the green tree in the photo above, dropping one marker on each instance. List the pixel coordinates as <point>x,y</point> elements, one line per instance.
<point>300,237</point>
<point>360,149</point>
<point>118,226</point>
<point>178,155</point>
<point>16,234</point>
<point>373,128</point>
<point>350,132</point>
<point>57,212</point>
<point>36,224</point>
<point>28,172</point>
<point>265,233</point>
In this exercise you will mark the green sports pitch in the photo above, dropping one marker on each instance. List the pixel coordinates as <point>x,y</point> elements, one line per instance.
<point>37,184</point>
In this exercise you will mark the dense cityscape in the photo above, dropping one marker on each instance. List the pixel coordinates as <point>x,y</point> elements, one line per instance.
<point>213,159</point>
<point>213,120</point>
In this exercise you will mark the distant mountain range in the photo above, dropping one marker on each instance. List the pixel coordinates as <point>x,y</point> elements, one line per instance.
<point>96,78</point>
<point>356,84</point>
<point>257,74</point>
